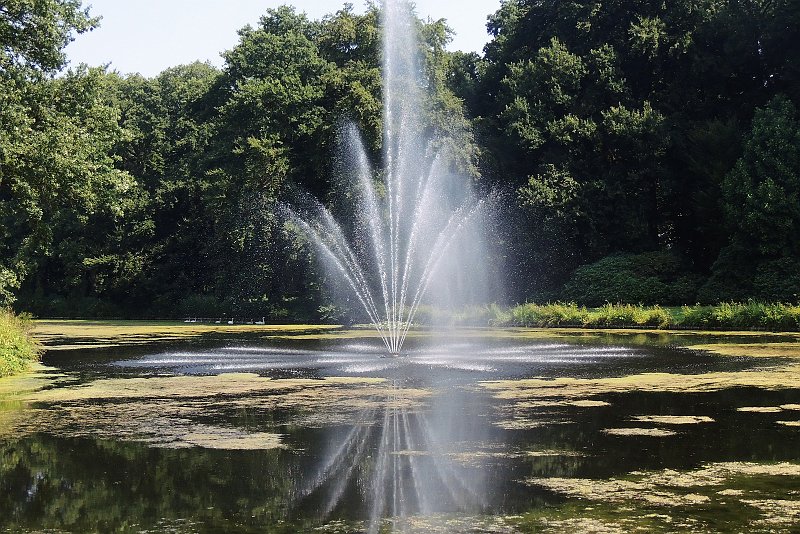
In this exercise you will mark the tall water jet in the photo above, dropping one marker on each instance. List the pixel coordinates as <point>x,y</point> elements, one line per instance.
<point>409,216</point>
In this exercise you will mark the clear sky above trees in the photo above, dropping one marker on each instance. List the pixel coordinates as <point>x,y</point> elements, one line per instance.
<point>148,36</point>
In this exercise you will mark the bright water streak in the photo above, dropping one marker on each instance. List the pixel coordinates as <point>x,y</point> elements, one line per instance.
<point>422,211</point>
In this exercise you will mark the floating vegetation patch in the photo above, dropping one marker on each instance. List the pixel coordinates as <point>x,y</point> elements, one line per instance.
<point>651,432</point>
<point>760,409</point>
<point>580,403</point>
<point>789,423</point>
<point>212,437</point>
<point>555,453</point>
<point>157,424</point>
<point>491,454</point>
<point>523,399</point>
<point>170,411</point>
<point>752,493</point>
<point>754,350</point>
<point>38,378</point>
<point>527,390</point>
<point>526,423</point>
<point>59,335</point>
<point>673,419</point>
<point>776,512</point>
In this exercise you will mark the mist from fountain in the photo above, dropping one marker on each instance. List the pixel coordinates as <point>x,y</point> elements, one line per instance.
<point>410,216</point>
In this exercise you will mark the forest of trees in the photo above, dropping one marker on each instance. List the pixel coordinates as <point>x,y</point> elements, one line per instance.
<point>648,152</point>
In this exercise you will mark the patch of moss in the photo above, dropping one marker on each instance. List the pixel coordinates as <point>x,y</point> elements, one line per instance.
<point>760,409</point>
<point>754,350</point>
<point>775,378</point>
<point>168,411</point>
<point>650,432</point>
<point>741,495</point>
<point>673,419</point>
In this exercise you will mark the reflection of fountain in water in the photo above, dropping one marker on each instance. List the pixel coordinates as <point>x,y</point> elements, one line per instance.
<point>401,467</point>
<point>407,229</point>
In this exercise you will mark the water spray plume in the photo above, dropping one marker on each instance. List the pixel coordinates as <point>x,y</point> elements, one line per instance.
<point>419,212</point>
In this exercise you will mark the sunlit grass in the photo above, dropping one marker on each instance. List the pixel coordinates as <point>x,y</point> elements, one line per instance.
<point>751,315</point>
<point>18,349</point>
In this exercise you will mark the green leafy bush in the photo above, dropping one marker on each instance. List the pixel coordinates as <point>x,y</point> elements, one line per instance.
<point>727,315</point>
<point>17,348</point>
<point>649,278</point>
<point>557,314</point>
<point>74,307</point>
<point>621,315</point>
<point>777,280</point>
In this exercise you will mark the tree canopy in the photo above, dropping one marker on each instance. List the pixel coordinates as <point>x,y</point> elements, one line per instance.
<point>655,138</point>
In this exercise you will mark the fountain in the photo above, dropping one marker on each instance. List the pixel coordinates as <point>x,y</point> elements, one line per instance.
<point>411,219</point>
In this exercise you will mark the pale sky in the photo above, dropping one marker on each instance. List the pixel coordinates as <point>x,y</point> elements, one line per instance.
<point>147,36</point>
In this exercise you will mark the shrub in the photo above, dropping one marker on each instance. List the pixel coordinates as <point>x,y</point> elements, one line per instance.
<point>557,314</point>
<point>649,278</point>
<point>17,348</point>
<point>731,276</point>
<point>732,315</point>
<point>727,315</point>
<point>696,316</point>
<point>777,280</point>
<point>74,308</point>
<point>621,315</point>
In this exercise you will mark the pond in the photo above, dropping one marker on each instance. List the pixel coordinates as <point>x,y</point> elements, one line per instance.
<point>475,430</point>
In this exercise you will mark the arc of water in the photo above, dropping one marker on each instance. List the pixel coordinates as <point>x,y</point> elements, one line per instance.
<point>404,219</point>
<point>424,190</point>
<point>445,238</point>
<point>370,198</point>
<point>364,295</point>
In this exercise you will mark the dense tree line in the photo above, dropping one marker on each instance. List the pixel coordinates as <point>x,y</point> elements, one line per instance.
<point>629,128</point>
<point>650,152</point>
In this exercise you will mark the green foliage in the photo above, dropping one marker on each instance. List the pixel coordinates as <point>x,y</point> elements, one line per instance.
<point>649,278</point>
<point>548,315</point>
<point>570,314</point>
<point>18,349</point>
<point>777,280</point>
<point>619,315</point>
<point>618,127</point>
<point>762,192</point>
<point>777,317</point>
<point>727,316</point>
<point>127,196</point>
<point>33,34</point>
<point>618,121</point>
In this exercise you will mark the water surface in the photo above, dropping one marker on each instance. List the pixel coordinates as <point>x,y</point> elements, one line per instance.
<point>286,435</point>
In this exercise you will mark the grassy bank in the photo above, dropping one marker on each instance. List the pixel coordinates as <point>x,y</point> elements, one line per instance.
<point>18,349</point>
<point>735,316</point>
<point>725,316</point>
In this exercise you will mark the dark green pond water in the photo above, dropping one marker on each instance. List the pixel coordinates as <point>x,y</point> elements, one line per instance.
<point>429,449</point>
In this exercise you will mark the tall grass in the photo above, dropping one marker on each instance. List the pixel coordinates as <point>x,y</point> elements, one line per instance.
<point>18,350</point>
<point>731,316</point>
<point>778,317</point>
<point>570,314</point>
<point>557,314</point>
